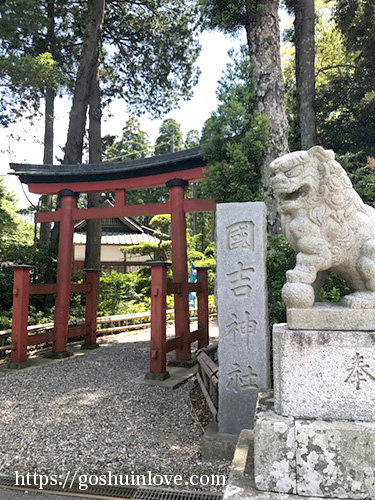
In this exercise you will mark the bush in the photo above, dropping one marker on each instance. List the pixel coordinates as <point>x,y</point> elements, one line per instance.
<point>117,293</point>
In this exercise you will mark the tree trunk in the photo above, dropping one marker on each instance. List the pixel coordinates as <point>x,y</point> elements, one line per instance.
<point>85,77</point>
<point>305,71</point>
<point>46,199</point>
<point>263,38</point>
<point>86,74</point>
<point>94,227</point>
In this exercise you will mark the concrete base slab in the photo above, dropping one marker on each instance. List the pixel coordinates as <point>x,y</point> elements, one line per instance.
<point>311,457</point>
<point>39,359</point>
<point>89,346</point>
<point>157,376</point>
<point>325,316</point>
<point>241,484</point>
<point>183,364</point>
<point>19,366</point>
<point>178,376</point>
<point>216,445</point>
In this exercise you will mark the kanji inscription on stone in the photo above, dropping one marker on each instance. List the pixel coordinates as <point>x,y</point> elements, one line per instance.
<point>359,372</point>
<point>241,380</point>
<point>240,280</point>
<point>241,235</point>
<point>238,328</point>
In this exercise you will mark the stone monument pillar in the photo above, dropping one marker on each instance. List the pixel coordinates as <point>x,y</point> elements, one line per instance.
<point>317,436</point>
<point>242,312</point>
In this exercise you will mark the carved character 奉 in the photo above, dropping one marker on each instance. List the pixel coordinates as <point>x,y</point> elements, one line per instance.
<point>328,226</point>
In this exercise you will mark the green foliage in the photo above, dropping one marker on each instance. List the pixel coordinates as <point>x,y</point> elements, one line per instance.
<point>161,224</point>
<point>280,258</point>
<point>134,143</point>
<point>192,139</point>
<point>235,138</point>
<point>230,16</point>
<point>361,170</point>
<point>346,103</point>
<point>170,137</point>
<point>12,226</point>
<point>153,51</point>
<point>150,63</point>
<point>117,293</point>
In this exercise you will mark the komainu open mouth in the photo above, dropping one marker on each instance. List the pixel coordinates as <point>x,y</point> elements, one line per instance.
<point>301,192</point>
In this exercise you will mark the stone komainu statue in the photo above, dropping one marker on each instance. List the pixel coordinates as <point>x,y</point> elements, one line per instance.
<point>328,226</point>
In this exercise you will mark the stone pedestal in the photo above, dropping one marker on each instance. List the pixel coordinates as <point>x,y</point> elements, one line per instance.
<point>324,374</point>
<point>313,457</point>
<point>242,312</point>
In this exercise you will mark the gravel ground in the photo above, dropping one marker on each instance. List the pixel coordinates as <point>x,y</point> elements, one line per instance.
<point>85,414</point>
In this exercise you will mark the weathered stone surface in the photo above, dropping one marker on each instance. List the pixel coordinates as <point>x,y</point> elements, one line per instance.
<point>242,312</point>
<point>274,450</point>
<point>240,485</point>
<point>335,459</point>
<point>314,458</point>
<point>324,374</point>
<point>327,224</point>
<point>324,316</point>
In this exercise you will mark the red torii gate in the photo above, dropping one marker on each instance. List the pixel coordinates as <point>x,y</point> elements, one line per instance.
<point>174,170</point>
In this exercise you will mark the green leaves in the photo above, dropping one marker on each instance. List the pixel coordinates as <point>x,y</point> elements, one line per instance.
<point>235,138</point>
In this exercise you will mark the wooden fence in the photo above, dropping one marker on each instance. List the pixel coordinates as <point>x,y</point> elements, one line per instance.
<point>208,376</point>
<point>105,325</point>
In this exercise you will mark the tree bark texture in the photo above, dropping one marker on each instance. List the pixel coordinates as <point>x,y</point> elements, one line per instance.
<point>263,39</point>
<point>85,77</point>
<point>305,71</point>
<point>94,227</point>
<point>86,74</point>
<point>46,199</point>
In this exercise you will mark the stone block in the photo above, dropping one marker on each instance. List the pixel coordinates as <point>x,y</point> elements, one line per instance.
<point>314,458</point>
<point>216,446</point>
<point>324,316</point>
<point>244,366</point>
<point>324,374</point>
<point>274,450</point>
<point>335,459</point>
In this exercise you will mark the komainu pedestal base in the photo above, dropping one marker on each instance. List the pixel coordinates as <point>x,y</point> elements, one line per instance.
<point>312,457</point>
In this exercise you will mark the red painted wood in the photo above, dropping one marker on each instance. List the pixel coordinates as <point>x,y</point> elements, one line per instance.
<point>120,197</point>
<point>39,338</point>
<point>180,272</point>
<point>122,210</point>
<point>48,216</point>
<point>194,174</point>
<point>202,296</point>
<point>21,288</point>
<point>173,344</point>
<point>206,205</point>
<point>196,335</point>
<point>43,289</point>
<point>158,344</point>
<point>64,265</point>
<point>79,287</point>
<point>77,331</point>
<point>92,280</point>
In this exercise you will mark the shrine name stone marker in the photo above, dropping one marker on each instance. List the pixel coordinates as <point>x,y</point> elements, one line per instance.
<point>242,312</point>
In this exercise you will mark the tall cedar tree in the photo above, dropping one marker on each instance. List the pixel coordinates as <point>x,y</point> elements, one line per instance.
<point>261,21</point>
<point>304,34</point>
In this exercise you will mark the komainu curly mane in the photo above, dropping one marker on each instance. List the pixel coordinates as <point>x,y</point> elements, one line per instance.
<point>327,224</point>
